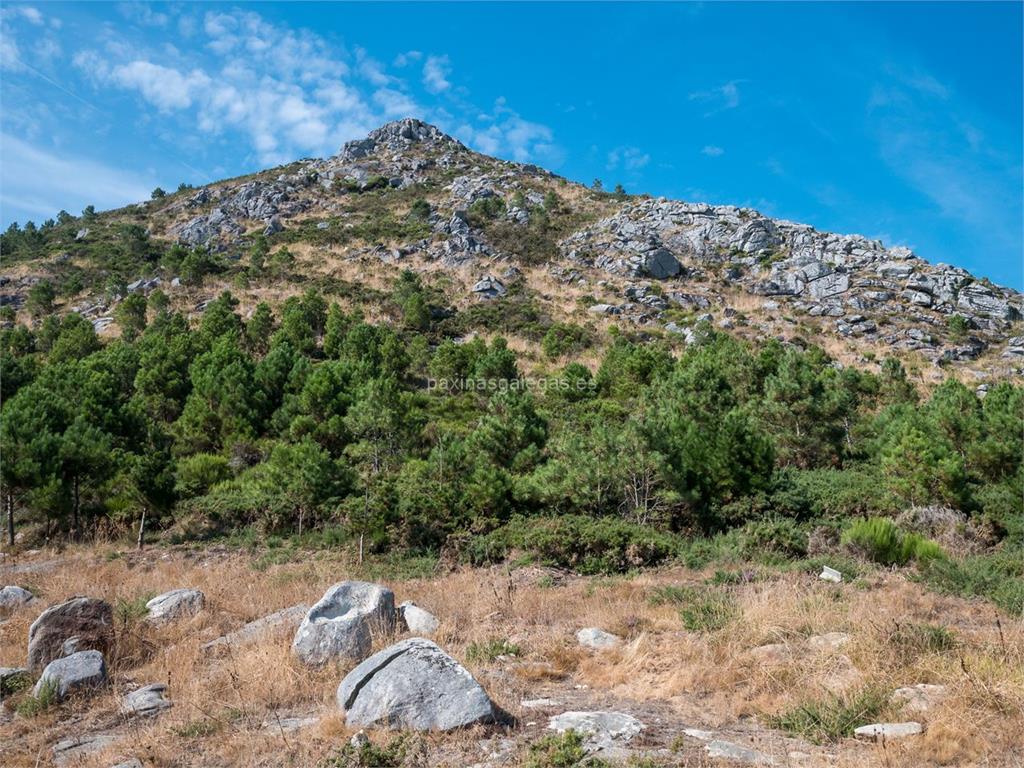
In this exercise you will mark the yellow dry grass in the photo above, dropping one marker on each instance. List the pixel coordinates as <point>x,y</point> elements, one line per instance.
<point>226,705</point>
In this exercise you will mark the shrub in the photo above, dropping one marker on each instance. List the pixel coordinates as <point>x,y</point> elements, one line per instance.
<point>589,545</point>
<point>881,540</point>
<point>489,650</point>
<point>562,750</point>
<point>998,576</point>
<point>564,338</point>
<point>832,718</point>
<point>780,536</point>
<point>913,639</point>
<point>702,609</point>
<point>47,697</point>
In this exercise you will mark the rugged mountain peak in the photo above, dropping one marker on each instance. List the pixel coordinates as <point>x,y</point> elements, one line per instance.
<point>398,136</point>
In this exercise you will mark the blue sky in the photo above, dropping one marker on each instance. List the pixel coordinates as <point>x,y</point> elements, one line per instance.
<point>897,121</point>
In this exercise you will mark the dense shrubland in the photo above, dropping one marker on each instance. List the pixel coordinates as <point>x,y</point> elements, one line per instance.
<point>309,420</point>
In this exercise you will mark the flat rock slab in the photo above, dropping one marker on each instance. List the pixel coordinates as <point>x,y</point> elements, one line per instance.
<point>176,604</point>
<point>285,619</point>
<point>882,731</point>
<point>730,751</point>
<point>86,620</point>
<point>12,598</point>
<point>597,639</point>
<point>289,723</point>
<point>80,671</point>
<point>146,701</point>
<point>340,626</point>
<point>413,684</point>
<point>603,731</point>
<point>418,621</point>
<point>71,751</point>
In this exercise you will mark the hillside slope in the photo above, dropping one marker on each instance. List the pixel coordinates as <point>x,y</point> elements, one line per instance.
<point>409,196</point>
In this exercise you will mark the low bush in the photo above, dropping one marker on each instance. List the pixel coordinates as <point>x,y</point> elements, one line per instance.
<point>562,750</point>
<point>489,650</point>
<point>702,609</point>
<point>998,576</point>
<point>824,720</point>
<point>881,540</point>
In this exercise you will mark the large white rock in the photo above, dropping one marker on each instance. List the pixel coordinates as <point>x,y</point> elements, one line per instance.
<point>176,604</point>
<point>881,731</point>
<point>78,672</point>
<point>598,639</point>
<point>341,625</point>
<point>417,620</point>
<point>603,731</point>
<point>413,684</point>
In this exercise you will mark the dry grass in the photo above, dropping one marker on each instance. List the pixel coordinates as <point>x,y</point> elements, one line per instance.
<point>223,703</point>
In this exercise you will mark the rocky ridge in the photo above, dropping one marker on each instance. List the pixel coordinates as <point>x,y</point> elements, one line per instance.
<point>646,260</point>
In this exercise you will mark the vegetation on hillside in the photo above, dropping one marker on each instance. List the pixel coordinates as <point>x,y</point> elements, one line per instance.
<point>309,419</point>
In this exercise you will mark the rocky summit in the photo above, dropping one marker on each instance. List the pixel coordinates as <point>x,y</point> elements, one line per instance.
<point>654,265</point>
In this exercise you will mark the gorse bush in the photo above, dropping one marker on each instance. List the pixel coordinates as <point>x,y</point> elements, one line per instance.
<point>881,540</point>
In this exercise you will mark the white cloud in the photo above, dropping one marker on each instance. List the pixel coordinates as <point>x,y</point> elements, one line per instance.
<point>436,70</point>
<point>508,134</point>
<point>26,12</point>
<point>36,182</point>
<point>712,151</point>
<point>629,158</point>
<point>143,13</point>
<point>404,59</point>
<point>164,87</point>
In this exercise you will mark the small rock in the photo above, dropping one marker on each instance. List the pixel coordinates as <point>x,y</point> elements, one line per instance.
<point>730,751</point>
<point>604,731</point>
<point>830,641</point>
<point>133,763</point>
<point>830,574</point>
<point>883,731</point>
<point>919,698</point>
<point>359,740</point>
<point>773,653</point>
<point>146,701</point>
<point>340,625</point>
<point>82,234</point>
<point>176,604</point>
<point>538,703</point>
<point>12,598</point>
<point>598,639</point>
<point>80,671</point>
<point>417,620</point>
<point>413,684</point>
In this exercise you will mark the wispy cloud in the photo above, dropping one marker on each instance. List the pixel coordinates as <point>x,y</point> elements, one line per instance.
<point>719,98</point>
<point>436,70</point>
<point>629,158</point>
<point>37,182</point>
<point>505,132</point>
<point>712,151</point>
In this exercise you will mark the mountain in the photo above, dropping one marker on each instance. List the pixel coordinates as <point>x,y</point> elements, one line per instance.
<point>410,196</point>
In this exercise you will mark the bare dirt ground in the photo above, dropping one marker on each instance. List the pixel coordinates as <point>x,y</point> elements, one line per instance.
<point>255,705</point>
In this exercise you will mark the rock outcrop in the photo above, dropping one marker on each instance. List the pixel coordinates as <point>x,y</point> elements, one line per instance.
<point>13,597</point>
<point>417,620</point>
<point>413,684</point>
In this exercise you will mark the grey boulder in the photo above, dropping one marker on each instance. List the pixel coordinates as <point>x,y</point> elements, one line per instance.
<point>597,639</point>
<point>12,598</point>
<point>80,671</point>
<point>146,701</point>
<point>86,620</point>
<point>176,604</point>
<point>413,684</point>
<point>417,620</point>
<point>341,625</point>
<point>885,731</point>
